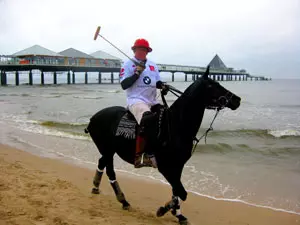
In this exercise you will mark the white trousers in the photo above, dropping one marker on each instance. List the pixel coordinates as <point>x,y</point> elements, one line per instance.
<point>138,110</point>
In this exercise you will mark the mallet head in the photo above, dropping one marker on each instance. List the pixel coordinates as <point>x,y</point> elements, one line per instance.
<point>97,33</point>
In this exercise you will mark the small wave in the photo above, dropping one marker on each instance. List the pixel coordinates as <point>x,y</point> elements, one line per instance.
<point>60,124</point>
<point>51,96</point>
<point>255,132</point>
<point>88,97</point>
<point>284,133</point>
<point>243,149</point>
<point>110,91</point>
<point>53,132</point>
<point>221,148</point>
<point>290,106</point>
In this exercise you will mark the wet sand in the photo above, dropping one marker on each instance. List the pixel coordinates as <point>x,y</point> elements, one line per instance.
<point>37,190</point>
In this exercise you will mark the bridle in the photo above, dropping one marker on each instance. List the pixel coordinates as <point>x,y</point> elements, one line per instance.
<point>222,100</point>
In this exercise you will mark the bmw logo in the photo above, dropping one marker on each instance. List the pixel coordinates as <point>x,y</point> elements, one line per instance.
<point>147,80</point>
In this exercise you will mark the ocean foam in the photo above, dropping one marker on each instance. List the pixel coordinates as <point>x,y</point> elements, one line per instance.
<point>284,133</point>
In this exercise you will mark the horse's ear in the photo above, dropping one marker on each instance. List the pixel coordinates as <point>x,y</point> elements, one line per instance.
<point>205,75</point>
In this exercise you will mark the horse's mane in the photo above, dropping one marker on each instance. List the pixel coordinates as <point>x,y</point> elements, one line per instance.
<point>190,93</point>
<point>187,111</point>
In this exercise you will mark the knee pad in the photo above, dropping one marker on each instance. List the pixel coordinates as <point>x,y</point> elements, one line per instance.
<point>148,118</point>
<point>148,122</point>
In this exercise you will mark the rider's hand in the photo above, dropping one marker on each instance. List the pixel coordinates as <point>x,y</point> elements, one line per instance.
<point>164,89</point>
<point>139,69</point>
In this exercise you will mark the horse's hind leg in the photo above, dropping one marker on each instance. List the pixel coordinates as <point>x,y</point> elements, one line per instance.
<point>115,185</point>
<point>98,175</point>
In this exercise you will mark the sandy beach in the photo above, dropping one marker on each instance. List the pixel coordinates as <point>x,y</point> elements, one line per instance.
<point>36,190</point>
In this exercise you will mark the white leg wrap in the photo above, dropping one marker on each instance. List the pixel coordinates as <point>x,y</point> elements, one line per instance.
<point>112,181</point>
<point>100,171</point>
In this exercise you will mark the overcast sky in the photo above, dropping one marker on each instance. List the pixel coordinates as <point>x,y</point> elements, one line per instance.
<point>261,36</point>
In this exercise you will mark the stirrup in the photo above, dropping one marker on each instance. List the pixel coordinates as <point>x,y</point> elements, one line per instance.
<point>150,162</point>
<point>152,159</point>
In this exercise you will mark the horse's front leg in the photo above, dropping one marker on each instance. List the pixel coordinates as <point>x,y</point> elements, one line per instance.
<point>174,206</point>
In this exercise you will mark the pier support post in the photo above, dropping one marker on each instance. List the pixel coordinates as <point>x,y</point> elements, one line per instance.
<point>30,78</point>
<point>17,78</point>
<point>69,77</point>
<point>193,77</point>
<point>86,78</point>
<point>3,78</point>
<point>172,76</point>
<point>185,77</point>
<point>99,78</point>
<point>239,77</point>
<point>54,78</point>
<point>214,77</point>
<point>73,77</point>
<point>222,77</point>
<point>112,77</point>
<point>235,77</point>
<point>42,78</point>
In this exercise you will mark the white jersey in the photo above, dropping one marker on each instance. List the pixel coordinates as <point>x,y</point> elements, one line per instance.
<point>144,88</point>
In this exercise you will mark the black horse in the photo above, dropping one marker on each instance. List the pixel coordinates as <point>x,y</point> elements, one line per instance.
<point>177,127</point>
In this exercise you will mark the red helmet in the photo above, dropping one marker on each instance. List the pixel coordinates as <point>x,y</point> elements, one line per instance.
<point>141,43</point>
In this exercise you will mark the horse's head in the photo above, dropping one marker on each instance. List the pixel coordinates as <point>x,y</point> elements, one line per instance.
<point>214,94</point>
<point>217,96</point>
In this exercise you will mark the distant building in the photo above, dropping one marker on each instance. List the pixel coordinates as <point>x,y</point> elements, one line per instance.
<point>76,57</point>
<point>38,54</point>
<point>217,63</point>
<point>105,56</point>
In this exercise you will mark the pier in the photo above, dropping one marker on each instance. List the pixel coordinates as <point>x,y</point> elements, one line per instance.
<point>72,61</point>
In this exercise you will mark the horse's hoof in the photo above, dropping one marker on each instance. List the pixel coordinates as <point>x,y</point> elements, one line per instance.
<point>95,191</point>
<point>126,207</point>
<point>173,211</point>
<point>183,220</point>
<point>161,211</point>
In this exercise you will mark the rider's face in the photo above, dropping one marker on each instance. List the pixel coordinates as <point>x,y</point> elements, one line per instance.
<point>141,53</point>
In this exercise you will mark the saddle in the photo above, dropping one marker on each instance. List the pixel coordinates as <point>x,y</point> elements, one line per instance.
<point>128,125</point>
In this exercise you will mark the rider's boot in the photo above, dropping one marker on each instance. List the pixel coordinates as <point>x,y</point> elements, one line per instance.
<point>141,158</point>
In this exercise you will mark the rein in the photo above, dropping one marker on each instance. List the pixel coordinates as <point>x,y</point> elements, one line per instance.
<point>174,91</point>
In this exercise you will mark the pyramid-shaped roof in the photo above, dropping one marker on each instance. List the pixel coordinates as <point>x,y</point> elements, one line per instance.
<point>74,53</point>
<point>103,55</point>
<point>217,63</point>
<point>36,50</point>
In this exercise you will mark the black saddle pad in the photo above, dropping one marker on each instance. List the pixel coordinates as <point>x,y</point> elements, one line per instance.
<point>127,126</point>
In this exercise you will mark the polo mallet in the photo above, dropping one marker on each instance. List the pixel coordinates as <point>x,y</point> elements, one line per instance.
<point>97,33</point>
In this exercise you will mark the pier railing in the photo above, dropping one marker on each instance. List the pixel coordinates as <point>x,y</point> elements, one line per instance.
<point>107,63</point>
<point>74,65</point>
